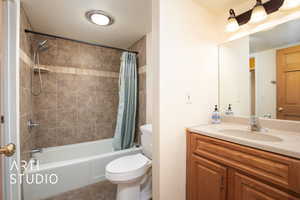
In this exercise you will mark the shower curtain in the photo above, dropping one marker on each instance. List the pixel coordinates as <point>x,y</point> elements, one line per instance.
<point>126,118</point>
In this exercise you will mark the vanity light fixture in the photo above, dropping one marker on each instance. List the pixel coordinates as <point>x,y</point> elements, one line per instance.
<point>99,17</point>
<point>258,13</point>
<point>232,23</point>
<point>290,4</point>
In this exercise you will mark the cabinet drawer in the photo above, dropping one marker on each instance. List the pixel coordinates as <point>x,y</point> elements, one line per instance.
<point>280,170</point>
<point>247,188</point>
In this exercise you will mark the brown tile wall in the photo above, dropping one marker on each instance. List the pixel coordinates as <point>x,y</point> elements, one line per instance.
<point>27,137</point>
<point>140,46</point>
<point>100,191</point>
<point>76,108</point>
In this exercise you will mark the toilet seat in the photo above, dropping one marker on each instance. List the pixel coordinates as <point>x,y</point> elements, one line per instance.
<point>128,168</point>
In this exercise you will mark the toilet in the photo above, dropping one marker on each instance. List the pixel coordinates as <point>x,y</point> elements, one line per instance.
<point>132,173</point>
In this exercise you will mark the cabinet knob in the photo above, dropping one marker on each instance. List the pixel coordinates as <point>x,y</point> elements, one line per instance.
<point>280,109</point>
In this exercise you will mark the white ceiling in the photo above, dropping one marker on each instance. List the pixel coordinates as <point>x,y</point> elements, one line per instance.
<point>67,18</point>
<point>221,6</point>
<point>280,36</point>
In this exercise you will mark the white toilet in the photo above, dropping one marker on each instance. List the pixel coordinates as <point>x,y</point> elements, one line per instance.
<point>132,173</point>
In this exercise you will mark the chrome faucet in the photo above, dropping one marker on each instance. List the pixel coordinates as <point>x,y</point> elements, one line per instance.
<point>32,124</point>
<point>34,151</point>
<point>255,124</point>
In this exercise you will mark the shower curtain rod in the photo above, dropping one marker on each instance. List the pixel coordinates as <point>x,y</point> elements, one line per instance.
<point>80,41</point>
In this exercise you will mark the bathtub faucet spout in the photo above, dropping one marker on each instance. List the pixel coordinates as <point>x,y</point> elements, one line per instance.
<point>34,151</point>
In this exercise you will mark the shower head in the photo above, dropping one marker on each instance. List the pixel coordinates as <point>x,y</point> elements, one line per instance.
<point>42,45</point>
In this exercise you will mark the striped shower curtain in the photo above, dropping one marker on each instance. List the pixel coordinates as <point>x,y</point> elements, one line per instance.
<point>126,118</point>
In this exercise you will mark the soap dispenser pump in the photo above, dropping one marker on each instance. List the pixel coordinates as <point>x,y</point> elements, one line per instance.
<point>216,117</point>
<point>229,110</point>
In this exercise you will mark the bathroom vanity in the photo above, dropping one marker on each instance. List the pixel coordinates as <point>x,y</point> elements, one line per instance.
<point>228,162</point>
<point>259,79</point>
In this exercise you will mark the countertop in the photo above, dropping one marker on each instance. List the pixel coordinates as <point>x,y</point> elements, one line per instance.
<point>276,141</point>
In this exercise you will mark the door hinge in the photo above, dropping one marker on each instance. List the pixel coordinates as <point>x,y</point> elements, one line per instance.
<point>2,119</point>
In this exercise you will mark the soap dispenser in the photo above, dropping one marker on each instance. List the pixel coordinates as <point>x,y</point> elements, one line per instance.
<point>216,117</point>
<point>229,110</point>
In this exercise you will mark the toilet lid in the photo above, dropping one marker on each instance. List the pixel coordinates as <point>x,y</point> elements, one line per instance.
<point>127,164</point>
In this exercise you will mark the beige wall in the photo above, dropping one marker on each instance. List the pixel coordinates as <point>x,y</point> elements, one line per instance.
<point>185,63</point>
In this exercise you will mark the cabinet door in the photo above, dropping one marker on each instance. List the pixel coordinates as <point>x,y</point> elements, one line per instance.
<point>207,180</point>
<point>246,188</point>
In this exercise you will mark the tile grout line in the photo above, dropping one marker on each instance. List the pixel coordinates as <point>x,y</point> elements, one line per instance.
<point>77,71</point>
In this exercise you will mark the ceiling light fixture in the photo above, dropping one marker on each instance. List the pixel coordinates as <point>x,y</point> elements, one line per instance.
<point>99,17</point>
<point>232,23</point>
<point>258,13</point>
<point>290,4</point>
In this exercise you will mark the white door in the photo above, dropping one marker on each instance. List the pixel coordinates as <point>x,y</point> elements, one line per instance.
<point>9,85</point>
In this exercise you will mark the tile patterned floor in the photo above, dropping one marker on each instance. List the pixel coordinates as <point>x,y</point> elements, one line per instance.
<point>100,191</point>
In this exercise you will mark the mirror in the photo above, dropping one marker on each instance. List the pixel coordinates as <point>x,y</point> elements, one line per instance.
<point>260,74</point>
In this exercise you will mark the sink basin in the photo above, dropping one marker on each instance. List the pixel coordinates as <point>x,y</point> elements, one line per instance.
<point>251,135</point>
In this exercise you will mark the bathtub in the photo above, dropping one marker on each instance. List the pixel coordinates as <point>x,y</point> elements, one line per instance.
<point>74,166</point>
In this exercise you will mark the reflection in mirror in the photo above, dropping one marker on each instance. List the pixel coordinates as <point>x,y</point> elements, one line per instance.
<point>275,70</point>
<point>234,77</point>
<point>260,74</point>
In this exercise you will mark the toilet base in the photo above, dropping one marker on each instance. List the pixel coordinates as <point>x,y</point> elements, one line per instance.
<point>129,191</point>
<point>139,190</point>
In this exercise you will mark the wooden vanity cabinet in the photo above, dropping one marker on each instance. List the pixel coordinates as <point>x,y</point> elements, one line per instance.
<point>220,170</point>
<point>208,179</point>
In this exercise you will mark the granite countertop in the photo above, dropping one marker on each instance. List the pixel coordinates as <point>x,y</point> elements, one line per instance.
<point>276,141</point>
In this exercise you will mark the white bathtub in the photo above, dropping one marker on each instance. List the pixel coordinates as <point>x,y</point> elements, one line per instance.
<point>75,165</point>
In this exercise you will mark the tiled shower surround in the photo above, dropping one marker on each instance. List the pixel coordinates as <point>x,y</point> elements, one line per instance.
<point>79,98</point>
<point>78,104</point>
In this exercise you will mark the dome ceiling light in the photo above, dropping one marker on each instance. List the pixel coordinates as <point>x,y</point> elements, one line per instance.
<point>99,18</point>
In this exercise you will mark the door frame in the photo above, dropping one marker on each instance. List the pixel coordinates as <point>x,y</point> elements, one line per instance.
<point>11,99</point>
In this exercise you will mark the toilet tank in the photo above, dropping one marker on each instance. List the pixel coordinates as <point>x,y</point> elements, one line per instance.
<point>146,139</point>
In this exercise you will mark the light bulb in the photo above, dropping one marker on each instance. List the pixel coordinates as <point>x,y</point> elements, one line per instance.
<point>258,13</point>
<point>100,19</point>
<point>232,23</point>
<point>290,4</point>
